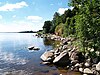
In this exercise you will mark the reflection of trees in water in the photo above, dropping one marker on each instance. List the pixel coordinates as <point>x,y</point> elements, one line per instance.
<point>50,42</point>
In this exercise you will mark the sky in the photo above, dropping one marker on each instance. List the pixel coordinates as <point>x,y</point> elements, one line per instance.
<point>26,15</point>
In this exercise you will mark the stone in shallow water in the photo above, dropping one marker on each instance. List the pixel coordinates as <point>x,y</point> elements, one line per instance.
<point>47,55</point>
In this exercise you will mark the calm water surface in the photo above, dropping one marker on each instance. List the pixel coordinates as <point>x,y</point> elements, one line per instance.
<point>16,59</point>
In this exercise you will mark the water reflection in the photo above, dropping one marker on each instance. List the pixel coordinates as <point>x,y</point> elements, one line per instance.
<point>49,42</point>
<point>16,59</point>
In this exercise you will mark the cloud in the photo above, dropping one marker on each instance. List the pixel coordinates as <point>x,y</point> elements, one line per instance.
<point>62,10</point>
<point>21,25</point>
<point>12,58</point>
<point>35,18</point>
<point>71,8</point>
<point>0,16</point>
<point>11,7</point>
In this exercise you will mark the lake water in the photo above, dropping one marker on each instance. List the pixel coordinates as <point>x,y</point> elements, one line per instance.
<point>16,59</point>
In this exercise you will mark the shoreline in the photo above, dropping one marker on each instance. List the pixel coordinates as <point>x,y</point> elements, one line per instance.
<point>68,55</point>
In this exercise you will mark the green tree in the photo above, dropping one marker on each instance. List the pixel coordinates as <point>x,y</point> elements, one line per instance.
<point>47,26</point>
<point>88,23</point>
<point>56,21</point>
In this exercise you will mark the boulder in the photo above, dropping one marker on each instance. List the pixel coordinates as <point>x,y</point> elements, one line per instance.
<point>36,48</point>
<point>87,71</point>
<point>65,41</point>
<point>87,64</point>
<point>76,56</point>
<point>62,59</point>
<point>64,47</point>
<point>47,56</point>
<point>81,69</point>
<point>78,65</point>
<point>31,47</point>
<point>95,60</point>
<point>98,67</point>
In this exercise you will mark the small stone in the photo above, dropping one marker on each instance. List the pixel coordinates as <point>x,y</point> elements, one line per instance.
<point>98,67</point>
<point>81,69</point>
<point>77,65</point>
<point>98,53</point>
<point>87,64</point>
<point>85,74</point>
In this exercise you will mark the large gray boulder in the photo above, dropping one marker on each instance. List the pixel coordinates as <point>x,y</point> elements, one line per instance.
<point>87,71</point>
<point>76,56</point>
<point>47,56</point>
<point>98,67</point>
<point>62,59</point>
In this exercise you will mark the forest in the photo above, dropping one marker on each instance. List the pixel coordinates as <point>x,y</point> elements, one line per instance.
<point>82,22</point>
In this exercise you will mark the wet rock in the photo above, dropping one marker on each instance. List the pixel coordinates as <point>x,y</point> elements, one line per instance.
<point>78,65</point>
<point>64,47</point>
<point>56,53</point>
<point>95,60</point>
<point>76,56</point>
<point>87,64</point>
<point>31,47</point>
<point>87,71</point>
<point>94,70</point>
<point>62,59</point>
<point>47,56</point>
<point>65,42</point>
<point>98,67</point>
<point>81,69</point>
<point>36,48</point>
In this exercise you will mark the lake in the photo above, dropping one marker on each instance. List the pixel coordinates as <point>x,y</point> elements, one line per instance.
<point>16,59</point>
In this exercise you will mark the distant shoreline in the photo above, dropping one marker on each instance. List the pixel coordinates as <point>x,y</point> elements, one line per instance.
<point>21,32</point>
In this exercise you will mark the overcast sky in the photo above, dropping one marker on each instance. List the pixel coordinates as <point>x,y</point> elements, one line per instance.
<point>21,15</point>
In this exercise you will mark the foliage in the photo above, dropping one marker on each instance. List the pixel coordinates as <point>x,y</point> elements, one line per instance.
<point>47,26</point>
<point>59,29</point>
<point>83,21</point>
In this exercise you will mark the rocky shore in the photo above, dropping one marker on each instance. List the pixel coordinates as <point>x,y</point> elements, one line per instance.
<point>68,55</point>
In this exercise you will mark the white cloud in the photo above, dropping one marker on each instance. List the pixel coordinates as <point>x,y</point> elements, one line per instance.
<point>62,10</point>
<point>35,18</point>
<point>11,7</point>
<point>71,8</point>
<point>17,26</point>
<point>0,16</point>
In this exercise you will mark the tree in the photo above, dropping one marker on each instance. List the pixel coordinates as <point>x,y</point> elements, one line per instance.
<point>47,26</point>
<point>56,21</point>
<point>88,23</point>
<point>66,14</point>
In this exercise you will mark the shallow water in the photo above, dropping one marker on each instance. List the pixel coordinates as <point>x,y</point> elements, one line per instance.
<point>16,59</point>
